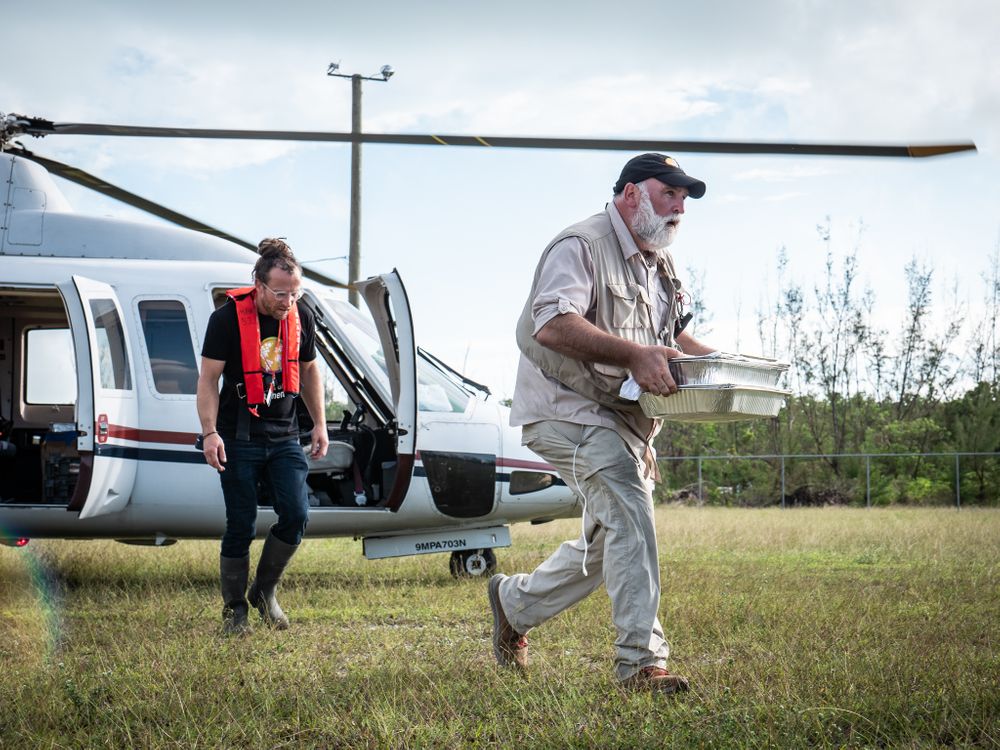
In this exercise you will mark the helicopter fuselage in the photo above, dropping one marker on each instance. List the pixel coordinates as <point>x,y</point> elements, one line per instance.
<point>101,325</point>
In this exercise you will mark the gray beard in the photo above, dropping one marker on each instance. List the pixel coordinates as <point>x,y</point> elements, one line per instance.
<point>649,226</point>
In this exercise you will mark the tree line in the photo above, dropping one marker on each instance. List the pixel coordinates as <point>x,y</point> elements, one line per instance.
<point>928,385</point>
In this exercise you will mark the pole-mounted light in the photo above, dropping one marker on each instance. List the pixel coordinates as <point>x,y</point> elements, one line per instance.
<point>384,74</point>
<point>354,257</point>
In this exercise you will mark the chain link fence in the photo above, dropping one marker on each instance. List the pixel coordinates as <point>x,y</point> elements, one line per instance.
<point>883,478</point>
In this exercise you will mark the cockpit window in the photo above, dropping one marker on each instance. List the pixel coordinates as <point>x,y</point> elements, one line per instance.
<point>435,391</point>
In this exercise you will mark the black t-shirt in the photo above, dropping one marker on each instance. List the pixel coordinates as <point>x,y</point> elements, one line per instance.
<point>222,342</point>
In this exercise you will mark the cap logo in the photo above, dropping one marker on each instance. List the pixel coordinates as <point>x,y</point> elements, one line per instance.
<point>670,162</point>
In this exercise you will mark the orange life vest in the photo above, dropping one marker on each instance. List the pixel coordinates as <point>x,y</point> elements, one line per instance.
<point>289,331</point>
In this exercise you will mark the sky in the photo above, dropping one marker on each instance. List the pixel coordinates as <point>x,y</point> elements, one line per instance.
<point>465,227</point>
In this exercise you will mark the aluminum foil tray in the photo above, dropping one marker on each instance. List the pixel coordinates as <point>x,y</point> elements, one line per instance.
<point>720,369</point>
<point>725,402</point>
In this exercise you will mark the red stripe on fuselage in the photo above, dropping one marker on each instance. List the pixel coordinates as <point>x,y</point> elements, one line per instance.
<point>151,436</point>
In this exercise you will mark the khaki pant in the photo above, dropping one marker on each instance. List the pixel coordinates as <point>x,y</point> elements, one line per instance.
<point>620,541</point>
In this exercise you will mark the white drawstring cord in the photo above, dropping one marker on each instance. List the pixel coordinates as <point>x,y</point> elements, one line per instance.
<point>583,518</point>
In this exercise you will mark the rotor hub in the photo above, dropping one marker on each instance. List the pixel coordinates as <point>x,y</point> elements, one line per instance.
<point>13,125</point>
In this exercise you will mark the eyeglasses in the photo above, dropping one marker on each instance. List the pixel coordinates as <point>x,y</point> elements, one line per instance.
<point>284,296</point>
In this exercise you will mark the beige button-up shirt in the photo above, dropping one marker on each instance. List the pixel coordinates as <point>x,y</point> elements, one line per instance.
<point>566,285</point>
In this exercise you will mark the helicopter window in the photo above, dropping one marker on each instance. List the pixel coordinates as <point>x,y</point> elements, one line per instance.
<point>436,392</point>
<point>50,366</point>
<point>334,396</point>
<point>111,354</point>
<point>168,341</point>
<point>220,295</point>
<point>523,482</point>
<point>360,329</point>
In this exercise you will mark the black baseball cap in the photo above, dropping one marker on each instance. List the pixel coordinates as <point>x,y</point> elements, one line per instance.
<point>664,168</point>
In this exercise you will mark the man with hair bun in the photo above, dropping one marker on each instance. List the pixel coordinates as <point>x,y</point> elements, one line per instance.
<point>263,346</point>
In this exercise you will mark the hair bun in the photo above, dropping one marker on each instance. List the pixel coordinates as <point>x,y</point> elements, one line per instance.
<point>274,253</point>
<point>274,247</point>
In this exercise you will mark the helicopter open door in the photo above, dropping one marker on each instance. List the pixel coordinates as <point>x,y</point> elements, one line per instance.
<point>386,297</point>
<point>107,412</point>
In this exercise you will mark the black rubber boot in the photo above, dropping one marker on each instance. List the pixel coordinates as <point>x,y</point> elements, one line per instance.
<point>233,574</point>
<point>273,559</point>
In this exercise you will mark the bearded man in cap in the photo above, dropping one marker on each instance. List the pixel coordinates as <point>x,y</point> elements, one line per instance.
<point>605,303</point>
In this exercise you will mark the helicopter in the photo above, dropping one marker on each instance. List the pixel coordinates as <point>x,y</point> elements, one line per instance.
<point>101,320</point>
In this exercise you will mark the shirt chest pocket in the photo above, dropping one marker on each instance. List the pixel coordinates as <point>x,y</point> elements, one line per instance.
<point>629,305</point>
<point>666,299</point>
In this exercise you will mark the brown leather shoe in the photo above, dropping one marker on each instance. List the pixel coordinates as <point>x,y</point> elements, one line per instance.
<point>657,680</point>
<point>509,647</point>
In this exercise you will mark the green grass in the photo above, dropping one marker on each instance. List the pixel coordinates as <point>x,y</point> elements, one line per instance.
<point>799,628</point>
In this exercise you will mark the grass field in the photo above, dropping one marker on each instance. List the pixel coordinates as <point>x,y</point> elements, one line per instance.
<point>798,628</point>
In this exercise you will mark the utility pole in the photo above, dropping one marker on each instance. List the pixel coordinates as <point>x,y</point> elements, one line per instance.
<point>354,252</point>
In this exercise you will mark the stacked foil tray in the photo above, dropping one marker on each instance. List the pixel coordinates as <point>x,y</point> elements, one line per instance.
<point>720,388</point>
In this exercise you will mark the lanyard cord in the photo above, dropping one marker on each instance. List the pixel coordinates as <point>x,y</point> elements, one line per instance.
<point>583,519</point>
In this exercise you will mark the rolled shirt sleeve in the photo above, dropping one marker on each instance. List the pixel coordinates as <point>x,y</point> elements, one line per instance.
<point>566,283</point>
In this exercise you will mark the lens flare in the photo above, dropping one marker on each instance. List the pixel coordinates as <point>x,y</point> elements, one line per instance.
<point>45,594</point>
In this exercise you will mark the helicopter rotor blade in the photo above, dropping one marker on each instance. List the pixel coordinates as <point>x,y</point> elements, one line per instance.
<point>322,278</point>
<point>87,180</point>
<point>40,128</point>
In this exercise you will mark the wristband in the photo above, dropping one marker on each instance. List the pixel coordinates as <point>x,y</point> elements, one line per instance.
<point>199,442</point>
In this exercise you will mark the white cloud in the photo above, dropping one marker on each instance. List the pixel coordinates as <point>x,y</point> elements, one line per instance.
<point>782,197</point>
<point>786,174</point>
<point>605,105</point>
<point>731,198</point>
<point>898,70</point>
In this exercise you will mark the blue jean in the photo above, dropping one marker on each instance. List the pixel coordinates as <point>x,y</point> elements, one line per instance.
<point>283,467</point>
